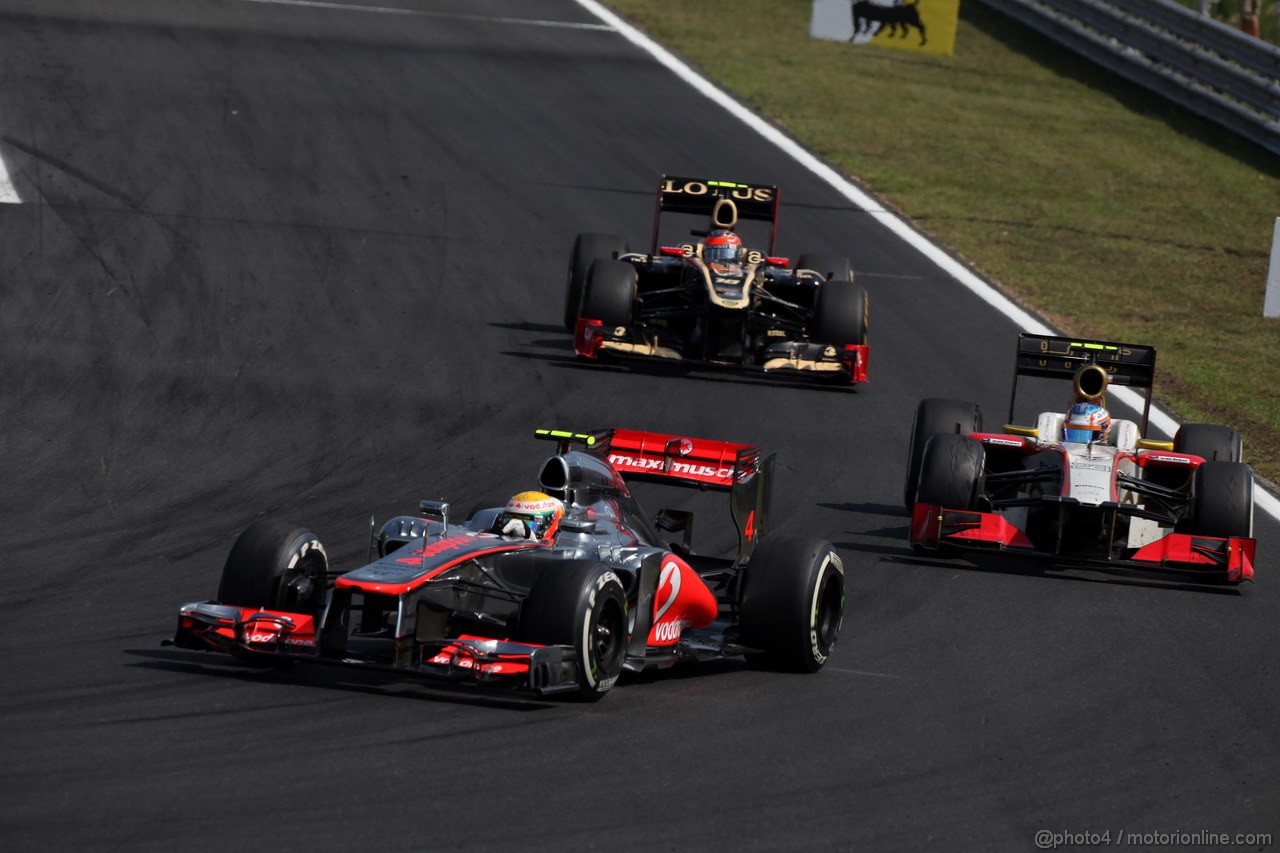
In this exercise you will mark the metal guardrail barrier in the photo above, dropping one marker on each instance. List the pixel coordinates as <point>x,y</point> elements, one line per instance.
<point>1191,59</point>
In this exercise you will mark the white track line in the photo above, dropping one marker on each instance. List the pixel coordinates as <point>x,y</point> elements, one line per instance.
<point>8,192</point>
<point>420,13</point>
<point>1160,419</point>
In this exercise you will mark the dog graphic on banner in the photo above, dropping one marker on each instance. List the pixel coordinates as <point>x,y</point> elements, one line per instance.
<point>928,26</point>
<point>869,18</point>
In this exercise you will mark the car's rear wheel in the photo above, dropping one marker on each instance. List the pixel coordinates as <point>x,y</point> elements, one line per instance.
<point>936,415</point>
<point>792,603</point>
<point>581,604</point>
<point>841,314</point>
<point>1212,442</point>
<point>277,566</point>
<point>586,248</point>
<point>611,292</point>
<point>1222,500</point>
<point>831,267</point>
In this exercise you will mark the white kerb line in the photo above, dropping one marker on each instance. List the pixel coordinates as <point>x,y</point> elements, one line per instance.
<point>8,192</point>
<point>1271,302</point>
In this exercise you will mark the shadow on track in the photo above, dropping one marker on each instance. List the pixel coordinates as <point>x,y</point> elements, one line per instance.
<point>1117,576</point>
<point>330,677</point>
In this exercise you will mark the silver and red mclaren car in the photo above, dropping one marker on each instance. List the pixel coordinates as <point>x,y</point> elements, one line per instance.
<point>714,300</point>
<point>602,591</point>
<point>1182,506</point>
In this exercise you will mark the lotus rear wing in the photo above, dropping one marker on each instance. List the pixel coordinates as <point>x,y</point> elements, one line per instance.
<point>739,469</point>
<point>706,197</point>
<point>1053,357</point>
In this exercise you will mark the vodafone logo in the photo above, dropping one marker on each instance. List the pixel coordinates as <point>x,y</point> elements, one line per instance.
<point>667,632</point>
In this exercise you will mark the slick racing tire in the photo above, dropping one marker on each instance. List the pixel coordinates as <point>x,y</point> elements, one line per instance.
<point>1222,500</point>
<point>1212,442</point>
<point>581,604</point>
<point>277,566</point>
<point>611,292</point>
<point>951,471</point>
<point>586,248</point>
<point>832,267</point>
<point>936,415</point>
<point>792,603</point>
<point>841,314</point>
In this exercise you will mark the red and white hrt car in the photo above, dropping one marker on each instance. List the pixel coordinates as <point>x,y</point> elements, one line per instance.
<point>1183,506</point>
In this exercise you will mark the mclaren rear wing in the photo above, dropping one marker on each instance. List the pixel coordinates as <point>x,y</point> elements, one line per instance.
<point>1054,357</point>
<point>705,197</point>
<point>739,469</point>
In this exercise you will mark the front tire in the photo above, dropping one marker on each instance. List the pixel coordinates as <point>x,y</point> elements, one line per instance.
<point>582,604</point>
<point>936,415</point>
<point>841,314</point>
<point>1222,500</point>
<point>951,471</point>
<point>792,603</point>
<point>586,248</point>
<point>277,566</point>
<point>611,293</point>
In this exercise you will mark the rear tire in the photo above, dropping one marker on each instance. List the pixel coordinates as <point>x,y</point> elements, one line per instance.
<point>1211,442</point>
<point>277,566</point>
<point>586,248</point>
<point>936,415</point>
<point>1222,500</point>
<point>610,293</point>
<point>581,604</point>
<point>951,471</point>
<point>792,603</point>
<point>832,267</point>
<point>841,314</point>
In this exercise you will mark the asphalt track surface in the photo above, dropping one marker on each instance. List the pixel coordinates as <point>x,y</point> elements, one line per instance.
<point>307,262</point>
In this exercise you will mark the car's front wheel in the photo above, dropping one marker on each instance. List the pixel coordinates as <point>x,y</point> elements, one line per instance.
<point>581,604</point>
<point>277,566</point>
<point>586,248</point>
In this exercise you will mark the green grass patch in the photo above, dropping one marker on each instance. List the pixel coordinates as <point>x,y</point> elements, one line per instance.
<point>1111,211</point>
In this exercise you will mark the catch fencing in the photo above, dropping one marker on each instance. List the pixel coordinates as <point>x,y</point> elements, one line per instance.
<point>1211,69</point>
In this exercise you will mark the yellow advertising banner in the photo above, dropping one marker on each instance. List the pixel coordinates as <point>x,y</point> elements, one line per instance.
<point>928,26</point>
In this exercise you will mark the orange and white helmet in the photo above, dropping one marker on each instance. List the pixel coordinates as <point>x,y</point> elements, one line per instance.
<point>1087,422</point>
<point>531,515</point>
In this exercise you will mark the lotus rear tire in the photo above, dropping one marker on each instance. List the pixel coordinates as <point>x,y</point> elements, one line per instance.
<point>831,267</point>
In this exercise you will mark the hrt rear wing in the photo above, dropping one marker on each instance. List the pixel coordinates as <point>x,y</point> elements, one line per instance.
<point>706,197</point>
<point>739,469</point>
<point>1054,357</point>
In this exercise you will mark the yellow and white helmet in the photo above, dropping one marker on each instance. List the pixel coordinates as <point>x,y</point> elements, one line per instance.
<point>531,515</point>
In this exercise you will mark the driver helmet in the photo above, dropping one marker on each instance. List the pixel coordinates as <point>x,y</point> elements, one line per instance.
<point>530,515</point>
<point>1086,422</point>
<point>722,245</point>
